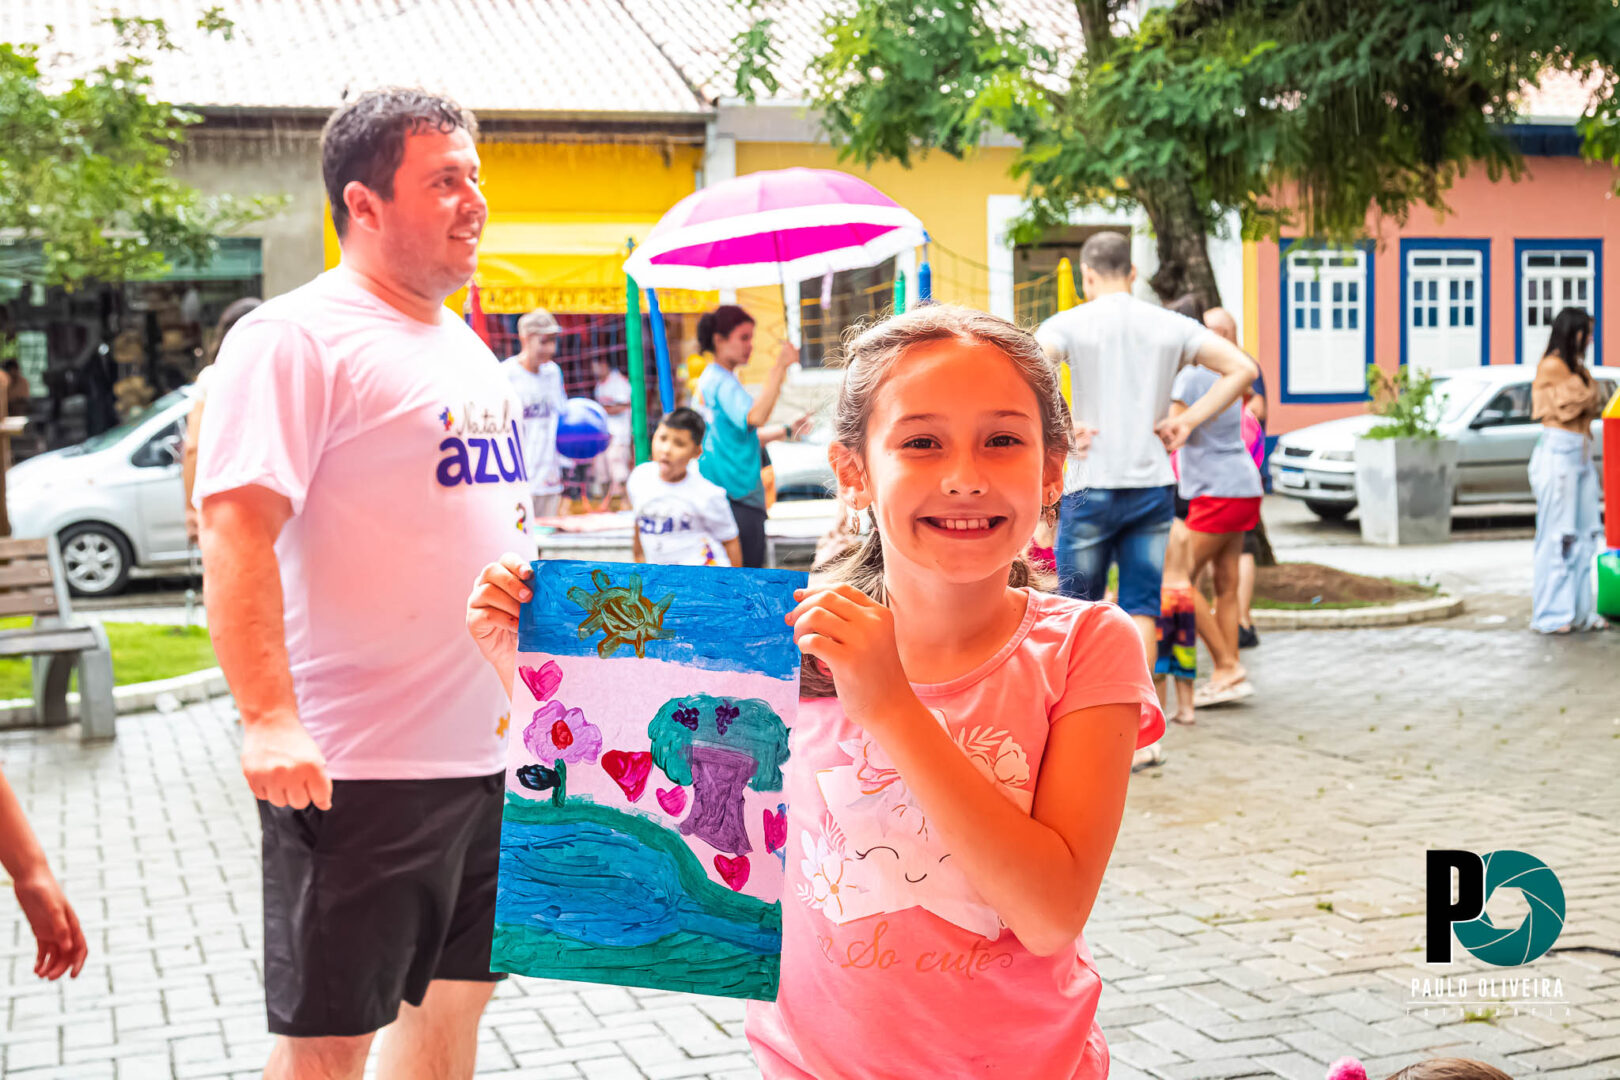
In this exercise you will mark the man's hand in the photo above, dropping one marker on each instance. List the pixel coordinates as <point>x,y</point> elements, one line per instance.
<point>283,765</point>
<point>61,944</point>
<point>1083,434</point>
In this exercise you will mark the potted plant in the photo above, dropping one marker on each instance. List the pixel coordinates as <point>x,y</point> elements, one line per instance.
<point>1405,471</point>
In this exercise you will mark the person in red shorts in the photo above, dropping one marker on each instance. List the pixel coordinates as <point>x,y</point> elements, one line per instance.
<point>1222,487</point>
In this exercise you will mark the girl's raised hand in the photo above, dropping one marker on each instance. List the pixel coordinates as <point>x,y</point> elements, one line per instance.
<point>853,635</point>
<point>492,611</point>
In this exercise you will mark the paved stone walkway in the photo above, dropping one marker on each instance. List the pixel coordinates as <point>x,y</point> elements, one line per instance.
<point>1262,915</point>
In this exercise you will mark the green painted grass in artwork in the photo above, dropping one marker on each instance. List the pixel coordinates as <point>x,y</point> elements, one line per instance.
<point>694,963</point>
<point>686,959</point>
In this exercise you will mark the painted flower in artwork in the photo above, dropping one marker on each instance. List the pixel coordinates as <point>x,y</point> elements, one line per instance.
<point>560,733</point>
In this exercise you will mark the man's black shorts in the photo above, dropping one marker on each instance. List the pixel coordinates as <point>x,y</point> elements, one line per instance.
<point>368,902</point>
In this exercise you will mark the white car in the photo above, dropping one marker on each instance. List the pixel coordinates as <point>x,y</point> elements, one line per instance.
<point>802,468</point>
<point>1486,409</point>
<point>115,502</point>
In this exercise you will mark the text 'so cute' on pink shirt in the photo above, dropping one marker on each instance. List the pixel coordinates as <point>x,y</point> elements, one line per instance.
<point>397,444</point>
<point>893,967</point>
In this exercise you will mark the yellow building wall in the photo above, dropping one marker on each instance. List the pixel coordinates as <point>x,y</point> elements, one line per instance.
<point>947,194</point>
<point>574,181</point>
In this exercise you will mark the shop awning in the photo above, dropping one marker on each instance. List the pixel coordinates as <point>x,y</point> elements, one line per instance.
<point>571,265</point>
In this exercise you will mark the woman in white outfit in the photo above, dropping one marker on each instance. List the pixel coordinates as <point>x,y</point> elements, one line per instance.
<point>1565,399</point>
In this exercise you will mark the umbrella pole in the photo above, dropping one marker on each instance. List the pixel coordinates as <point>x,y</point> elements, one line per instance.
<point>637,362</point>
<point>666,376</point>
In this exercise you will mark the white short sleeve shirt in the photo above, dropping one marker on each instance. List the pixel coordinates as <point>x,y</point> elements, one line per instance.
<point>398,444</point>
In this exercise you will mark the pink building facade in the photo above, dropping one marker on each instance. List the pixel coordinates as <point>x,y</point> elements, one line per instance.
<point>1478,285</point>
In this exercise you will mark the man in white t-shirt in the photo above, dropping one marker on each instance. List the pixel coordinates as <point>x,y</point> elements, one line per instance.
<point>613,394</point>
<point>360,461</point>
<point>538,380</point>
<point>681,518</point>
<point>1123,354</point>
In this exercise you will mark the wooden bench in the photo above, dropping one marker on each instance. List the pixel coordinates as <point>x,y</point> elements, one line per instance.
<point>32,583</point>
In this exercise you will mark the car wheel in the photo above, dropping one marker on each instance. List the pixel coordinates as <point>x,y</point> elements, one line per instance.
<point>1329,511</point>
<point>96,559</point>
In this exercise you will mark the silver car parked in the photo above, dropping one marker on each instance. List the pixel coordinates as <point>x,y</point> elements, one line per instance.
<point>1486,409</point>
<point>115,502</point>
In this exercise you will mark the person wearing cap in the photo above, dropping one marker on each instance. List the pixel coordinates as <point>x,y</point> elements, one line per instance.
<point>538,380</point>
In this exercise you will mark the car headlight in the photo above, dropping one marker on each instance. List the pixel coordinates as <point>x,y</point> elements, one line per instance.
<point>1336,455</point>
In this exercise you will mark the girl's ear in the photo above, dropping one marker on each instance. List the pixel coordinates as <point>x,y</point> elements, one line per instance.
<point>1052,472</point>
<point>847,466</point>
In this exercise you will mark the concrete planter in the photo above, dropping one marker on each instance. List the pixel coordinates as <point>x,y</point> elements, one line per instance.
<point>1404,489</point>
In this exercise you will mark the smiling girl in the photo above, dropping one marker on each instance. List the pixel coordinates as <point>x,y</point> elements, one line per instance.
<point>961,755</point>
<point>959,766</point>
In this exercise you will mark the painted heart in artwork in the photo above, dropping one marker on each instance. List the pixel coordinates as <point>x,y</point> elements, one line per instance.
<point>673,800</point>
<point>537,777</point>
<point>543,680</point>
<point>733,872</point>
<point>629,770</point>
<point>775,828</point>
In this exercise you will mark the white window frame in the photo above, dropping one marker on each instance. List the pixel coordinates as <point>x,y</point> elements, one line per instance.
<point>1573,282</point>
<point>1328,309</point>
<point>1443,308</point>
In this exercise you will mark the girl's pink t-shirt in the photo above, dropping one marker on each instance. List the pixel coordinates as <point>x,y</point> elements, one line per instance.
<point>893,966</point>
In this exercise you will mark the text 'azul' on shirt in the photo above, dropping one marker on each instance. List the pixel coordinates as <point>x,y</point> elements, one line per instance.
<point>472,452</point>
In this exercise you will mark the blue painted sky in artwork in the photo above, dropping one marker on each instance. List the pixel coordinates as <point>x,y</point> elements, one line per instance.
<point>720,618</point>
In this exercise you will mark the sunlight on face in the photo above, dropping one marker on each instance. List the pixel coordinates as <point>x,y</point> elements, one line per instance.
<point>955,462</point>
<point>430,228</point>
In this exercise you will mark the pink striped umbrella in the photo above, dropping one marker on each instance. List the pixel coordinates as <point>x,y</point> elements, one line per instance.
<point>773,227</point>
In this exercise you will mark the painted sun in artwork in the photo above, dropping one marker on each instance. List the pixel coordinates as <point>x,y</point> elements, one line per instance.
<point>622,614</point>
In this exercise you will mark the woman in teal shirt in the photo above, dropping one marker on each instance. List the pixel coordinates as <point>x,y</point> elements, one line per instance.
<point>736,431</point>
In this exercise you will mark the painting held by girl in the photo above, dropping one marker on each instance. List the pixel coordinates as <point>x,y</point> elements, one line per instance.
<point>958,770</point>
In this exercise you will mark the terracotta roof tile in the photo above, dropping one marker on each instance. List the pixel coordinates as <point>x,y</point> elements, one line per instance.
<point>698,34</point>
<point>528,57</point>
<point>520,56</point>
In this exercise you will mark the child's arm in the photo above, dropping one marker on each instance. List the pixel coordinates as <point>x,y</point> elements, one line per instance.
<point>62,947</point>
<point>734,551</point>
<point>635,545</point>
<point>492,613</point>
<point>1039,871</point>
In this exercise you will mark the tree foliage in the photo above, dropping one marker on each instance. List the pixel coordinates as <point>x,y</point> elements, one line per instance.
<point>1295,113</point>
<point>85,167</point>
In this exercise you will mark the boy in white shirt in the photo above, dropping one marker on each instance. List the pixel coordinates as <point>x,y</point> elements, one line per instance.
<point>681,518</point>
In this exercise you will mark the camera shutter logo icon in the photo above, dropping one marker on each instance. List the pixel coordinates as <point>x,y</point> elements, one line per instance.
<point>1478,877</point>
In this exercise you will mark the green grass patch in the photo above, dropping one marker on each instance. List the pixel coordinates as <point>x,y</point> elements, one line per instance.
<point>141,652</point>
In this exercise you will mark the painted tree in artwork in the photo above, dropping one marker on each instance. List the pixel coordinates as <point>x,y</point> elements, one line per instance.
<point>721,747</point>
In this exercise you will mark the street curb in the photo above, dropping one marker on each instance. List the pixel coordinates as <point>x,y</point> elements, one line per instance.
<point>1412,611</point>
<point>136,697</point>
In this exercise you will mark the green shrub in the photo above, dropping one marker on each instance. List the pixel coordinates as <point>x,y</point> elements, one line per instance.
<point>1408,403</point>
